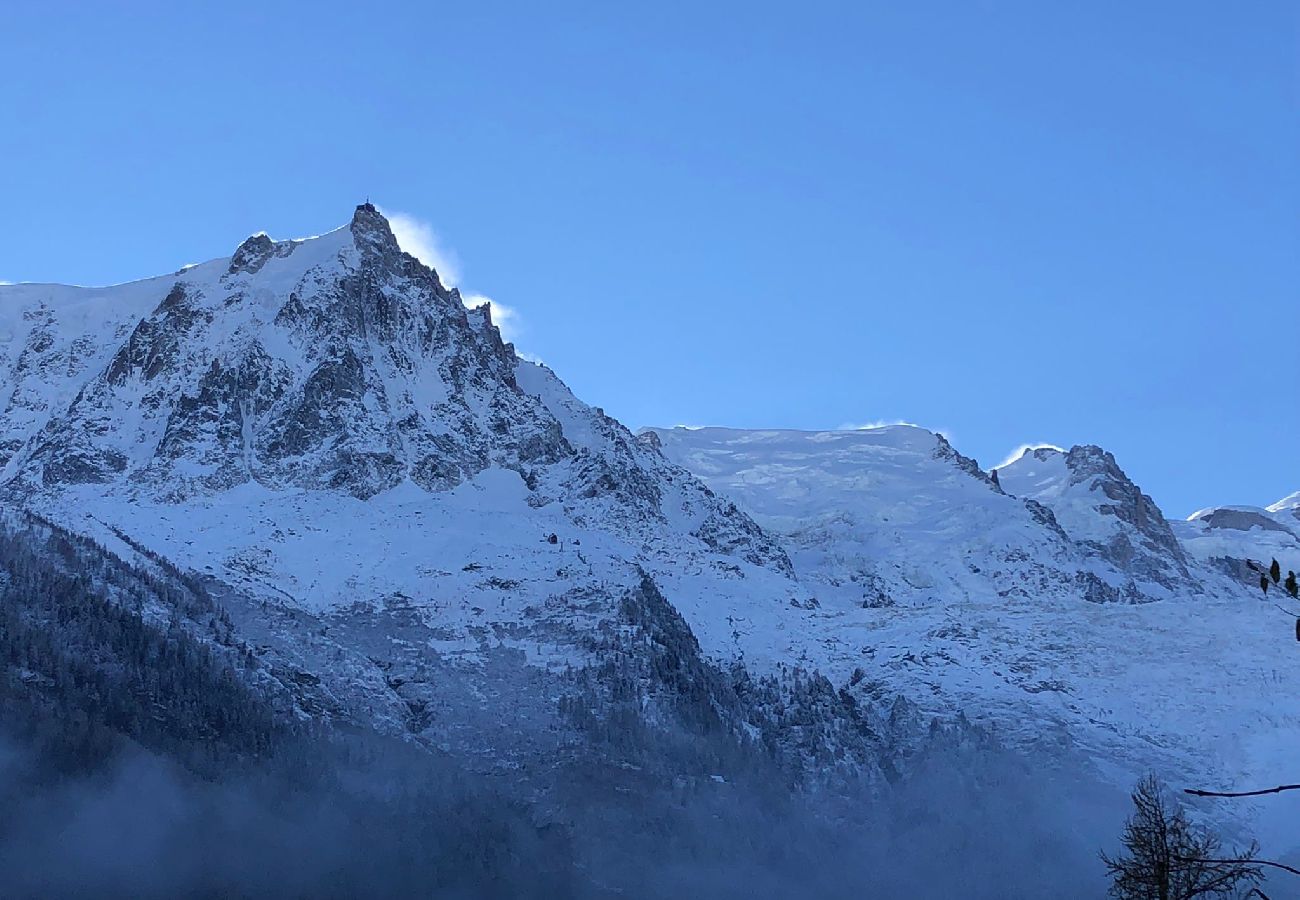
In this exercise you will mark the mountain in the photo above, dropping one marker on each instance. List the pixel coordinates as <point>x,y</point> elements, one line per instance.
<point>1104,511</point>
<point>1050,597</point>
<point>899,503</point>
<point>407,521</point>
<point>1235,538</point>
<point>337,363</point>
<point>324,478</point>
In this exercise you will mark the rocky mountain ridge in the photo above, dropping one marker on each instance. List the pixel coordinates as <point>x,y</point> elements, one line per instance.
<point>1103,510</point>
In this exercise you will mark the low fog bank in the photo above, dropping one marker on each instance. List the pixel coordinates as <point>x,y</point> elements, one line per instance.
<point>981,823</point>
<point>354,821</point>
<point>370,819</point>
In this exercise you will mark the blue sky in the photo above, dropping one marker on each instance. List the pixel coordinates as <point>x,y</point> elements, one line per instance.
<point>1014,221</point>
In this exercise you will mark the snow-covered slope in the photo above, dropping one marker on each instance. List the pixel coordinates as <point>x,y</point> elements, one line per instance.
<point>899,512</point>
<point>1290,504</point>
<point>53,338</point>
<point>965,592</point>
<point>1231,538</point>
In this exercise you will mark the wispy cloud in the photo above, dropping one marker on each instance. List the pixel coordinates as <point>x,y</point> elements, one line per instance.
<point>884,423</point>
<point>418,238</point>
<point>503,317</point>
<point>1025,448</point>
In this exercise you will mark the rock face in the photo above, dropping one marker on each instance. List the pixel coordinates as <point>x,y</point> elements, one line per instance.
<point>1236,518</point>
<point>1099,507</point>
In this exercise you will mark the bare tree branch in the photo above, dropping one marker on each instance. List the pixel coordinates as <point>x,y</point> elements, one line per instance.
<point>1252,861</point>
<point>1197,792</point>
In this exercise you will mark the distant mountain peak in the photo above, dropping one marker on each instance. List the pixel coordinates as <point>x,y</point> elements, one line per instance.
<point>372,232</point>
<point>336,363</point>
<point>252,254</point>
<point>1101,507</point>
<point>1289,502</point>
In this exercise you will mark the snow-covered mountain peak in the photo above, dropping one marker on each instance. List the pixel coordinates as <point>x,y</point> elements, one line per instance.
<point>1229,536</point>
<point>1048,471</point>
<point>861,508</point>
<point>372,233</point>
<point>1290,503</point>
<point>329,362</point>
<point>253,253</point>
<point>337,363</point>
<point>1101,508</point>
<point>1038,473</point>
<point>1239,518</point>
<point>785,476</point>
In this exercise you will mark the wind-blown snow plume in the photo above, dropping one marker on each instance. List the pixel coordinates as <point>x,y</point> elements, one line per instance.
<point>418,238</point>
<point>1026,448</point>
<point>885,423</point>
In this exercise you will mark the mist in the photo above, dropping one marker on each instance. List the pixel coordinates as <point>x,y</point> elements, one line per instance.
<point>378,819</point>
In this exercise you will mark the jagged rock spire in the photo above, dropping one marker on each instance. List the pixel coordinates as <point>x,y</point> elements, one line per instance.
<point>372,232</point>
<point>252,254</point>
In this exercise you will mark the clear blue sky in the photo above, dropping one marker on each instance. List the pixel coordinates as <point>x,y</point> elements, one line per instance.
<point>1015,221</point>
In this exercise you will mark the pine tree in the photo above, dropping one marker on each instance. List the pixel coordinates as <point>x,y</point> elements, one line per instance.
<point>1166,858</point>
<point>1275,572</point>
